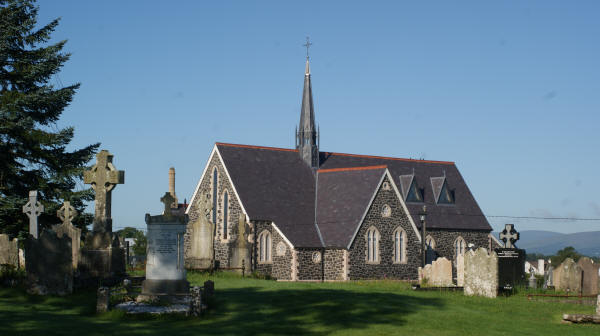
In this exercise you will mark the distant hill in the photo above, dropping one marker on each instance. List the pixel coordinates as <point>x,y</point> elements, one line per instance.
<point>548,242</point>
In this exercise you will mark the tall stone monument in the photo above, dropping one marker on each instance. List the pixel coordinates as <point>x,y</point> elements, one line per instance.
<point>33,209</point>
<point>201,241</point>
<point>165,270</point>
<point>66,214</point>
<point>102,255</point>
<point>511,260</point>
<point>240,252</point>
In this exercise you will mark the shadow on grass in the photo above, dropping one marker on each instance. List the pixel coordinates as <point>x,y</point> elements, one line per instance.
<point>239,311</point>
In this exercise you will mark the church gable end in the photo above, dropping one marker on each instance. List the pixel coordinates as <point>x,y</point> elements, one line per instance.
<point>386,226</point>
<point>225,196</point>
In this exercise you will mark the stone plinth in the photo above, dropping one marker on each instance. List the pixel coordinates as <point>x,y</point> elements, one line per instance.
<point>102,256</point>
<point>165,270</point>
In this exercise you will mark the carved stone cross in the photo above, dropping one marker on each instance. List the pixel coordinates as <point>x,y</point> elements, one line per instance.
<point>509,236</point>
<point>167,200</point>
<point>33,209</point>
<point>103,177</point>
<point>66,213</point>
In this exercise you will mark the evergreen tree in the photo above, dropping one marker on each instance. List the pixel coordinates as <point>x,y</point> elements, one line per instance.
<point>33,151</point>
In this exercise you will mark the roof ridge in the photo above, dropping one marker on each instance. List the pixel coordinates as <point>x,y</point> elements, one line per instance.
<point>255,147</point>
<point>389,158</point>
<point>331,170</point>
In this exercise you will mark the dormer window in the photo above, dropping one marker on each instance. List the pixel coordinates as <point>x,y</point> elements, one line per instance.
<point>442,193</point>
<point>410,189</point>
<point>415,194</point>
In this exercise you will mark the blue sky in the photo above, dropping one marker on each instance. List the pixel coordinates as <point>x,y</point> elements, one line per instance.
<point>509,90</point>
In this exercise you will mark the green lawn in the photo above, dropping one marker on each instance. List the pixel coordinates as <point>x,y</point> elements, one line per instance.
<point>251,306</point>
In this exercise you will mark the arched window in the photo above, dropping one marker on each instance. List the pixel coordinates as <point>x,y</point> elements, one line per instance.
<point>459,246</point>
<point>225,213</point>
<point>264,247</point>
<point>430,243</point>
<point>215,182</point>
<point>372,245</point>
<point>399,246</point>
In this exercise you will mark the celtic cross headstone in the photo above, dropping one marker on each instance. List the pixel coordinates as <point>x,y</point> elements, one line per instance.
<point>33,209</point>
<point>66,213</point>
<point>509,236</point>
<point>103,177</point>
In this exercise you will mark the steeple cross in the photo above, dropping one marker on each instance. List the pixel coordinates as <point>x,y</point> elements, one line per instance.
<point>509,236</point>
<point>307,45</point>
<point>103,177</point>
<point>66,213</point>
<point>33,209</point>
<point>167,200</point>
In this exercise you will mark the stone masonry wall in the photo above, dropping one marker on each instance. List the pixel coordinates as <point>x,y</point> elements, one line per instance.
<point>307,268</point>
<point>282,264</point>
<point>386,268</point>
<point>334,264</point>
<point>222,250</point>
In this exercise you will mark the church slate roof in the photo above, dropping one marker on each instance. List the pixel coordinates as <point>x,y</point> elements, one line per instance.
<point>276,184</point>
<point>343,196</point>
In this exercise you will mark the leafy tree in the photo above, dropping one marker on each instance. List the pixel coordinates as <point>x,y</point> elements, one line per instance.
<point>33,150</point>
<point>141,242</point>
<point>567,252</point>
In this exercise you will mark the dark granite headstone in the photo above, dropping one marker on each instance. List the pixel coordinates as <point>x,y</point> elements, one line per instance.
<point>49,264</point>
<point>511,268</point>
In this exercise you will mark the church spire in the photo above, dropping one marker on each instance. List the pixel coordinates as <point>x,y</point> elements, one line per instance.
<point>306,136</point>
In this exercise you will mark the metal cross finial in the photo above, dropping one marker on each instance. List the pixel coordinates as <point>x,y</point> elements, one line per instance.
<point>307,45</point>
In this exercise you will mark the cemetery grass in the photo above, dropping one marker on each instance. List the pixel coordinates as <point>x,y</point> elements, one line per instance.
<point>247,306</point>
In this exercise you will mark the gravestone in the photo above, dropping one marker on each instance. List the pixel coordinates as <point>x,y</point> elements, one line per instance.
<point>590,276</point>
<point>33,209</point>
<point>548,277</point>
<point>567,277</point>
<point>438,273</point>
<point>102,255</point>
<point>66,214</point>
<point>9,251</point>
<point>165,271</point>
<point>460,270</point>
<point>202,235</point>
<point>532,281</point>
<point>481,273</point>
<point>598,305</point>
<point>49,264</point>
<point>240,252</point>
<point>511,260</point>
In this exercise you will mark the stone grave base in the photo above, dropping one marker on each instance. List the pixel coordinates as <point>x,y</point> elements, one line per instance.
<point>181,305</point>
<point>164,290</point>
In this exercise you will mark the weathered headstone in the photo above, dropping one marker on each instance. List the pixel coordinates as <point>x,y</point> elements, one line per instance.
<point>567,277</point>
<point>240,253</point>
<point>438,273</point>
<point>103,299</point>
<point>66,214</point>
<point>590,276</point>
<point>598,305</point>
<point>460,270</point>
<point>165,271</point>
<point>9,251</point>
<point>49,264</point>
<point>549,277</point>
<point>33,209</point>
<point>532,281</point>
<point>202,234</point>
<point>481,273</point>
<point>102,255</point>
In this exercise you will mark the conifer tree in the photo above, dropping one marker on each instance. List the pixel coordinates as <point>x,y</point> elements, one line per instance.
<point>33,150</point>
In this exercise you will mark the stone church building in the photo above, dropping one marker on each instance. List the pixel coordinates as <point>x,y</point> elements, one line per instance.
<point>304,214</point>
